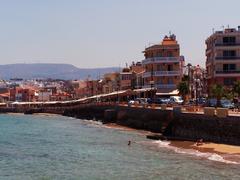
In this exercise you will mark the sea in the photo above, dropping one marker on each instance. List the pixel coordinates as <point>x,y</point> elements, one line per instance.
<point>49,147</point>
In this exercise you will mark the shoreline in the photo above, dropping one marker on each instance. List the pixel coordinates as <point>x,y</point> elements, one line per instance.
<point>208,147</point>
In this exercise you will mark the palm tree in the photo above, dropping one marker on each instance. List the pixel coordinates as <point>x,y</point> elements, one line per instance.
<point>236,88</point>
<point>183,89</point>
<point>218,92</point>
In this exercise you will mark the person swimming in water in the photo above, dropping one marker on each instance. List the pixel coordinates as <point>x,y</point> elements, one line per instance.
<point>199,142</point>
<point>129,143</point>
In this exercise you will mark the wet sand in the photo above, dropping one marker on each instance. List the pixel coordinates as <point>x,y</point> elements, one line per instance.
<point>208,147</point>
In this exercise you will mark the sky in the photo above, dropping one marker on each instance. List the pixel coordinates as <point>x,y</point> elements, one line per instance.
<point>106,33</point>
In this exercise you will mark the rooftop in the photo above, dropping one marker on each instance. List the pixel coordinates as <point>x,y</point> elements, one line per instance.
<point>168,41</point>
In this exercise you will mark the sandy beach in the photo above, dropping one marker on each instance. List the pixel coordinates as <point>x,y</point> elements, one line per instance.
<point>208,147</point>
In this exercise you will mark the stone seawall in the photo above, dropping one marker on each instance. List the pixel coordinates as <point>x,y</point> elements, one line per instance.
<point>139,118</point>
<point>154,120</point>
<point>209,128</point>
<point>172,124</point>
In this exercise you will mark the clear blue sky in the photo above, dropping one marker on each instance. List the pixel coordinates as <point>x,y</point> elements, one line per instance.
<point>105,33</point>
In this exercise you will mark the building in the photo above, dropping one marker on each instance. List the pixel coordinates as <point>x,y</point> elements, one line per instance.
<point>110,83</point>
<point>44,94</point>
<point>126,79</point>
<point>223,57</point>
<point>93,88</point>
<point>197,82</point>
<point>163,65</point>
<point>137,75</point>
<point>22,94</point>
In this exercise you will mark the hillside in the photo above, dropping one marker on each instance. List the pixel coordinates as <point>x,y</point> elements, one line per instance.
<point>54,71</point>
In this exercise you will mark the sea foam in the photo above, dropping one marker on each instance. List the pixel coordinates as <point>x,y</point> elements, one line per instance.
<point>193,152</point>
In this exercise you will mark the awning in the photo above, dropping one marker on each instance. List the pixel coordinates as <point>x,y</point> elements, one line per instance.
<point>171,93</point>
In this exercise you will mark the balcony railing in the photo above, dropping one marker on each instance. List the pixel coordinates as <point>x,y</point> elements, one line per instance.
<point>227,57</point>
<point>161,86</point>
<point>227,44</point>
<point>227,71</point>
<point>161,60</point>
<point>161,73</point>
<point>166,86</point>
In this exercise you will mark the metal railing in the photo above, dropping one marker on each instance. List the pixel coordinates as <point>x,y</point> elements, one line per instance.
<point>227,44</point>
<point>227,57</point>
<point>161,73</point>
<point>161,86</point>
<point>161,59</point>
<point>227,71</point>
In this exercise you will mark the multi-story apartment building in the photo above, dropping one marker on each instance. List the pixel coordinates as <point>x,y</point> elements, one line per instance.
<point>223,57</point>
<point>163,65</point>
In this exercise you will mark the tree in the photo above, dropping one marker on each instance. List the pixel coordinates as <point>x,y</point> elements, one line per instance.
<point>236,88</point>
<point>183,89</point>
<point>218,92</point>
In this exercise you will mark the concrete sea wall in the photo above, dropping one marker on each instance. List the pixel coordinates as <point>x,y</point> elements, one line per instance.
<point>172,124</point>
<point>209,128</point>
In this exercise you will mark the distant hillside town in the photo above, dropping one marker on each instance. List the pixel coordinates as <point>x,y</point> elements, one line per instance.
<point>163,72</point>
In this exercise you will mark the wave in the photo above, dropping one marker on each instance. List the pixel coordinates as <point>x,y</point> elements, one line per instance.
<point>193,152</point>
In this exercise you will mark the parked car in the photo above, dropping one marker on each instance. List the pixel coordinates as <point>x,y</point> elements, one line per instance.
<point>176,100</point>
<point>133,102</point>
<point>143,100</point>
<point>225,103</point>
<point>201,101</point>
<point>161,100</point>
<point>211,103</point>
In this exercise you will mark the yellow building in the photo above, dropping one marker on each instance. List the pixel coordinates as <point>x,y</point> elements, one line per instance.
<point>163,65</point>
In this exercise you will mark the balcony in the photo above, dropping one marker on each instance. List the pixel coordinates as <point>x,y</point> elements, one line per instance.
<point>227,71</point>
<point>161,60</point>
<point>161,73</point>
<point>227,44</point>
<point>227,58</point>
<point>162,86</point>
<point>166,86</point>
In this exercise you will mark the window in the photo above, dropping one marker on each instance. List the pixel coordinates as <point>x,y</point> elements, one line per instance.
<point>229,53</point>
<point>160,81</point>
<point>227,67</point>
<point>159,54</point>
<point>170,80</point>
<point>229,40</point>
<point>229,81</point>
<point>170,67</point>
<point>169,54</point>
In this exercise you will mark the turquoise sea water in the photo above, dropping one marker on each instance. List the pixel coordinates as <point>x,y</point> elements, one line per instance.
<point>56,147</point>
